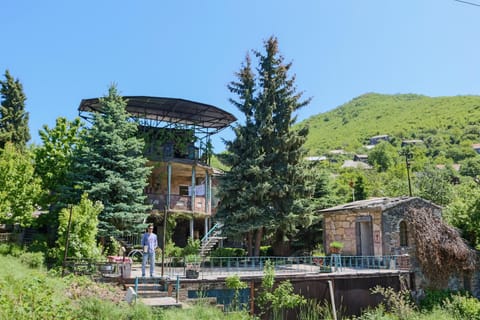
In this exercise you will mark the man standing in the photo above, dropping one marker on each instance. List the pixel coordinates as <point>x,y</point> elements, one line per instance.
<point>149,244</point>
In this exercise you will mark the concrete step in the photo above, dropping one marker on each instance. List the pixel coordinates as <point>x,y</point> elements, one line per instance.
<point>164,302</point>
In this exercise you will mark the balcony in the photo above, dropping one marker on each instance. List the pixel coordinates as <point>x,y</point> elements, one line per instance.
<point>179,203</point>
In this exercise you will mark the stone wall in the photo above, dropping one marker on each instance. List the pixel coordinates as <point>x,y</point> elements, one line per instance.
<point>341,226</point>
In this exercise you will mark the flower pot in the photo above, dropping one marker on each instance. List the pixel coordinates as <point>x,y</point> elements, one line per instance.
<point>191,274</point>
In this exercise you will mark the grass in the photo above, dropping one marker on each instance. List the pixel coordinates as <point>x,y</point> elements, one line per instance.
<point>34,293</point>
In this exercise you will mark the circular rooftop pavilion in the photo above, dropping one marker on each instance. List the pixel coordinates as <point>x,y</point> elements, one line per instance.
<point>164,112</point>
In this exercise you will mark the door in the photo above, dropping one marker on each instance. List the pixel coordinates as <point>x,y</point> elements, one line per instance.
<point>364,236</point>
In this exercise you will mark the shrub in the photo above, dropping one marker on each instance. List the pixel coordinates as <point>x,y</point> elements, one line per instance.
<point>192,247</point>
<point>32,259</point>
<point>5,249</point>
<point>228,252</point>
<point>266,251</point>
<point>434,298</point>
<point>396,302</point>
<point>463,307</point>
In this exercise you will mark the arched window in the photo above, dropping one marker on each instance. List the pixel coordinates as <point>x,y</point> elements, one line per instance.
<point>403,234</point>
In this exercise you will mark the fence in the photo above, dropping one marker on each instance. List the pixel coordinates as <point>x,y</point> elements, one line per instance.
<point>194,267</point>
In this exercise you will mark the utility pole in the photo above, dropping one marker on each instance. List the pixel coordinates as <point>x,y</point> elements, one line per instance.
<point>164,237</point>
<point>66,240</point>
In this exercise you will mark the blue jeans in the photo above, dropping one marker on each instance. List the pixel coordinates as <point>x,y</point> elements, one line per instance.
<point>150,256</point>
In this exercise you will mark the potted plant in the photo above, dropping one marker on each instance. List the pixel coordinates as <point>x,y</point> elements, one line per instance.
<point>336,247</point>
<point>192,266</point>
<point>192,271</point>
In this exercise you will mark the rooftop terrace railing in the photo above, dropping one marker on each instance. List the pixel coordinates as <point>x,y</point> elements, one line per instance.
<point>224,266</point>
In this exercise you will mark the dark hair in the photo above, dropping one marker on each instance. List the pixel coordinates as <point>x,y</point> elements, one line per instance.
<point>150,226</point>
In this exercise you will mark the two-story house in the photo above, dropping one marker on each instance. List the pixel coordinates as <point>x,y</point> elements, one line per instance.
<point>177,136</point>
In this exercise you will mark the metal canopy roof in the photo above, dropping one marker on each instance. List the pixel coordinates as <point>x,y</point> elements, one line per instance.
<point>169,110</point>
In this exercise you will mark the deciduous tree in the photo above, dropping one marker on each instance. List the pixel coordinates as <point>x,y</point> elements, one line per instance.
<point>19,188</point>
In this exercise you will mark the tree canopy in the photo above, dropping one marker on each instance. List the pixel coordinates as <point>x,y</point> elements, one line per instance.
<point>13,117</point>
<point>269,185</point>
<point>111,168</point>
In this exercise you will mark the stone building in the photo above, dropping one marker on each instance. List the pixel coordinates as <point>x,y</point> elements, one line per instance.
<point>379,227</point>
<point>372,227</point>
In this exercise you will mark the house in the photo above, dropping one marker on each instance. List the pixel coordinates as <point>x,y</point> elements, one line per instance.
<point>476,147</point>
<point>377,139</point>
<point>177,136</point>
<point>411,230</point>
<point>371,227</point>
<point>411,142</point>
<point>356,164</point>
<point>361,157</point>
<point>316,158</point>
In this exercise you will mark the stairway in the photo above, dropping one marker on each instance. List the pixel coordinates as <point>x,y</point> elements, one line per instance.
<point>211,239</point>
<point>153,292</point>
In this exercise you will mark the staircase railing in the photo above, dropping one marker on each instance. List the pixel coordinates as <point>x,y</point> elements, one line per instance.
<point>210,239</point>
<point>217,226</point>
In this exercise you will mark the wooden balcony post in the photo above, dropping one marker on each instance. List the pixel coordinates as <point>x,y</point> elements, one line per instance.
<point>169,183</point>
<point>193,189</point>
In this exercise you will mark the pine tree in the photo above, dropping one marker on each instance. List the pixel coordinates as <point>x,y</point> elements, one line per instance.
<point>269,184</point>
<point>13,117</point>
<point>111,168</point>
<point>291,178</point>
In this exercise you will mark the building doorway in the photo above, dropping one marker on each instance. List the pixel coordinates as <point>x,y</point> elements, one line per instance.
<point>364,236</point>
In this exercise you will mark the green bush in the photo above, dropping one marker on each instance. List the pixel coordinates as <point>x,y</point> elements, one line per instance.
<point>266,251</point>
<point>32,259</point>
<point>171,250</point>
<point>434,298</point>
<point>192,247</point>
<point>5,249</point>
<point>228,252</point>
<point>463,307</point>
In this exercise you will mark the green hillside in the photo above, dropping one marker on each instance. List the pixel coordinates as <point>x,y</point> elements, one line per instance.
<point>441,122</point>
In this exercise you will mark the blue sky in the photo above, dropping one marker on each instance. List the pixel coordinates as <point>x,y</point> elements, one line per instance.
<point>64,51</point>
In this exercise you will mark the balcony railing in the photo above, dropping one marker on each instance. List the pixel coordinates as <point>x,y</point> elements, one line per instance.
<point>178,203</point>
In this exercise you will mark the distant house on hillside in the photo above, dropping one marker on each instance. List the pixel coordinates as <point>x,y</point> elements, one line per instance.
<point>411,142</point>
<point>337,151</point>
<point>476,147</point>
<point>377,139</point>
<point>356,165</point>
<point>361,157</point>
<point>316,158</point>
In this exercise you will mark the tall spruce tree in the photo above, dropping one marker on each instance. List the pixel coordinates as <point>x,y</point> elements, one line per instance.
<point>13,117</point>
<point>244,188</point>
<point>269,186</point>
<point>111,168</point>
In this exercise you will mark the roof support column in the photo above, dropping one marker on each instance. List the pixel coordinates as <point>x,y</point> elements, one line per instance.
<point>191,227</point>
<point>169,184</point>
<point>192,199</point>
<point>208,193</point>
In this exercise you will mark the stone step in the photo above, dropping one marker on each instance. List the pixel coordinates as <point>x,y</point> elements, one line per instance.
<point>164,302</point>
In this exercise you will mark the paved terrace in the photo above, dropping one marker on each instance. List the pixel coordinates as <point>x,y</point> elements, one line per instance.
<point>220,268</point>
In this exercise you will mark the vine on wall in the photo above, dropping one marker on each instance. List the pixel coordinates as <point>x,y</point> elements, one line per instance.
<point>439,248</point>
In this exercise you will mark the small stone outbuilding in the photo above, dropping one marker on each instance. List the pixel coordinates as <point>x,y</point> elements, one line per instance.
<point>373,227</point>
<point>380,227</point>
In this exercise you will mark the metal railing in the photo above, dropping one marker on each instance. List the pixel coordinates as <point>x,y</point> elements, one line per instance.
<point>224,266</point>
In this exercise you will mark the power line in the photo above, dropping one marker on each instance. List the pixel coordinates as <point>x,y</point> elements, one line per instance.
<point>470,3</point>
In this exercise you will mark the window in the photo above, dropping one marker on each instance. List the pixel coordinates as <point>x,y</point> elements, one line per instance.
<point>183,190</point>
<point>403,234</point>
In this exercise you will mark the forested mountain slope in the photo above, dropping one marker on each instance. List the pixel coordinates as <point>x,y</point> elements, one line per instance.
<point>442,122</point>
